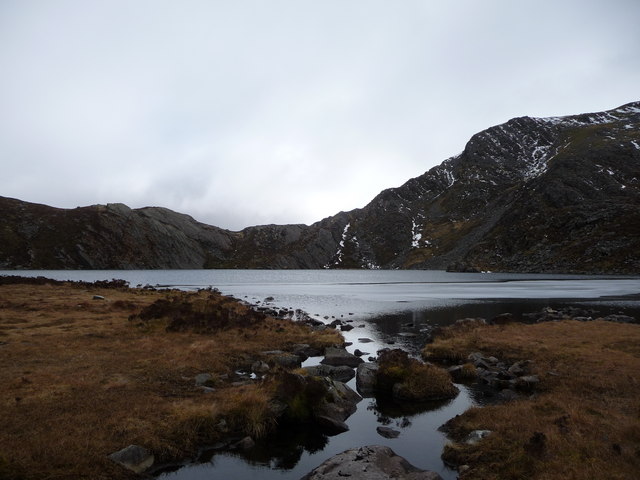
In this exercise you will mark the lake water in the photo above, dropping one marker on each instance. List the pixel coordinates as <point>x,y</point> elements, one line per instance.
<point>388,308</point>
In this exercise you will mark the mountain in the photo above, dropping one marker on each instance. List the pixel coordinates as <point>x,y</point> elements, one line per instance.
<point>558,194</point>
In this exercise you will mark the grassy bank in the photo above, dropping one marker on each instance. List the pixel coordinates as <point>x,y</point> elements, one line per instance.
<point>83,377</point>
<point>583,422</point>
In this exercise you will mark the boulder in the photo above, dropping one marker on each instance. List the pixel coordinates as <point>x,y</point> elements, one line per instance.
<point>341,374</point>
<point>371,463</point>
<point>339,356</point>
<point>506,395</point>
<point>527,383</point>
<point>313,399</point>
<point>134,458</point>
<point>331,426</point>
<point>366,378</point>
<point>388,432</point>
<point>518,368</point>
<point>339,401</point>
<point>203,380</point>
<point>285,360</point>
<point>305,351</point>
<point>260,367</point>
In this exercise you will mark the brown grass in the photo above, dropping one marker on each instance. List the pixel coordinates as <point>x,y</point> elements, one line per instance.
<point>80,381</point>
<point>584,422</point>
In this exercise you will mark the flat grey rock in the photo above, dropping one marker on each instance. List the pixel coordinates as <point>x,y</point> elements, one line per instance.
<point>342,373</point>
<point>388,432</point>
<point>134,458</point>
<point>369,463</point>
<point>339,356</point>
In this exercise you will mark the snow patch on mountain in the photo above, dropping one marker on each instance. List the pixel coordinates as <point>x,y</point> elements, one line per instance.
<point>416,236</point>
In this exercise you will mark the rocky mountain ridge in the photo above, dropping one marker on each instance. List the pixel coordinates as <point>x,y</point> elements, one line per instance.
<point>559,194</point>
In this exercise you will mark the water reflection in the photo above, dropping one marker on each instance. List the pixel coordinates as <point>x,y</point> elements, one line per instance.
<point>281,450</point>
<point>388,411</point>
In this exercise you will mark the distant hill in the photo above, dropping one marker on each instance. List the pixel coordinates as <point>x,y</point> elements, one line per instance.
<point>555,194</point>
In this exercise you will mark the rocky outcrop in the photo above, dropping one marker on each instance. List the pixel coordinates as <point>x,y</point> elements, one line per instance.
<point>370,463</point>
<point>317,400</point>
<point>533,194</point>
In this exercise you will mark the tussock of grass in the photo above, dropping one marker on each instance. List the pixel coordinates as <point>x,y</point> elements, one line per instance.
<point>584,422</point>
<point>426,382</point>
<point>409,379</point>
<point>246,409</point>
<point>80,381</point>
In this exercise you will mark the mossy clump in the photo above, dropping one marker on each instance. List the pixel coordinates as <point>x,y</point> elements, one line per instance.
<point>408,379</point>
<point>185,313</point>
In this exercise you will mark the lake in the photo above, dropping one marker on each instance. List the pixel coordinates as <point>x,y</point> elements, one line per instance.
<point>388,308</point>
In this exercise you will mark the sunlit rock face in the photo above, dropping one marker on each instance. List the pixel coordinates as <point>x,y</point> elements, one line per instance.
<point>557,194</point>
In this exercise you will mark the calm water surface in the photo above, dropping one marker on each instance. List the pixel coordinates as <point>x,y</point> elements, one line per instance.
<point>387,308</point>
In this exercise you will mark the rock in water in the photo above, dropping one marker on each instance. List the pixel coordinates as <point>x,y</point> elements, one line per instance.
<point>366,378</point>
<point>371,463</point>
<point>388,432</point>
<point>331,426</point>
<point>341,374</point>
<point>339,356</point>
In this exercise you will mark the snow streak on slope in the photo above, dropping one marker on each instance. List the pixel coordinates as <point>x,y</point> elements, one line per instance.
<point>339,253</point>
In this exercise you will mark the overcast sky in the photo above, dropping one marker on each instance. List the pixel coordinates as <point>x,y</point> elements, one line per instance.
<point>246,112</point>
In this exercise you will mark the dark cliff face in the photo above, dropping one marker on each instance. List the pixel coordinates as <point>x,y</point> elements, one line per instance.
<point>552,194</point>
<point>103,237</point>
<point>535,195</point>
